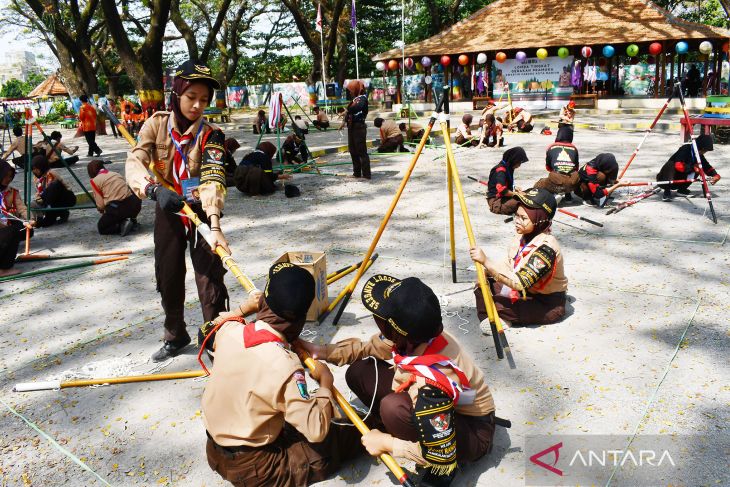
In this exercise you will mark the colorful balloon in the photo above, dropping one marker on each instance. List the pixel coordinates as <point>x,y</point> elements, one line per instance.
<point>419,67</point>
<point>393,65</point>
<point>445,60</point>
<point>586,51</point>
<point>705,47</point>
<point>463,59</point>
<point>426,61</point>
<point>632,50</point>
<point>608,51</point>
<point>655,48</point>
<point>501,57</point>
<point>542,53</point>
<point>481,58</point>
<point>409,63</point>
<point>681,47</point>
<point>563,52</point>
<point>520,56</point>
<point>380,66</point>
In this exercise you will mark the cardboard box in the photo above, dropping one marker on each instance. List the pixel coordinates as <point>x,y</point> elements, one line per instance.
<point>316,264</point>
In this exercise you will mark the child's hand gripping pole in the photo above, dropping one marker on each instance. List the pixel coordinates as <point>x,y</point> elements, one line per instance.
<point>351,414</point>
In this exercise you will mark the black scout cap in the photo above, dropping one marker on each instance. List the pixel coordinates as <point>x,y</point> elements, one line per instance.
<point>289,290</point>
<point>538,198</point>
<point>409,306</point>
<point>196,72</point>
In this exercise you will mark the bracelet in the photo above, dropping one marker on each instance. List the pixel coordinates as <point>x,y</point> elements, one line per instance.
<point>240,307</point>
<point>215,229</point>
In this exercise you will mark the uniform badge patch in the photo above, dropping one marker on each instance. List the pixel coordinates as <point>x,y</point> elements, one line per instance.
<point>301,384</point>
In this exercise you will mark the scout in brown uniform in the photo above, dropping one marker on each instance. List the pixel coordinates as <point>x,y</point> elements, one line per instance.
<point>19,146</point>
<point>464,137</point>
<point>263,426</point>
<point>529,287</point>
<point>561,162</point>
<point>52,191</point>
<point>414,132</point>
<point>321,122</point>
<point>434,405</point>
<point>117,204</point>
<point>185,153</point>
<point>11,209</point>
<point>53,147</point>
<point>391,138</point>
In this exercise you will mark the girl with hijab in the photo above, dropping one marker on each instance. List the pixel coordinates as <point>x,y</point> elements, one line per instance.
<point>12,210</point>
<point>492,132</point>
<point>598,180</point>
<point>464,137</point>
<point>561,162</point>
<point>255,175</point>
<point>529,287</point>
<point>683,166</point>
<point>264,426</point>
<point>501,184</point>
<point>357,130</point>
<point>52,191</point>
<point>186,156</point>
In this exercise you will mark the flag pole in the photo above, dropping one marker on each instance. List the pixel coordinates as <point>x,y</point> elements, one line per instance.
<point>353,24</point>
<point>321,45</point>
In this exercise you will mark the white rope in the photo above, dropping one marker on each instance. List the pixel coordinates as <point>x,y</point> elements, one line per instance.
<point>109,368</point>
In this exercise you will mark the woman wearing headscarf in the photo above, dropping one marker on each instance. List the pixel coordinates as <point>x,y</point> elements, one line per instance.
<point>683,166</point>
<point>255,175</point>
<point>52,191</point>
<point>12,210</point>
<point>501,184</point>
<point>598,179</point>
<point>561,162</point>
<point>529,287</point>
<point>186,156</point>
<point>117,204</point>
<point>357,130</point>
<point>464,137</point>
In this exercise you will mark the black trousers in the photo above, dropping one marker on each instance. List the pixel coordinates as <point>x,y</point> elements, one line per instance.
<point>357,145</point>
<point>10,237</point>
<point>170,243</point>
<point>114,129</point>
<point>91,140</point>
<point>116,212</point>
<point>69,160</point>
<point>320,125</point>
<point>56,196</point>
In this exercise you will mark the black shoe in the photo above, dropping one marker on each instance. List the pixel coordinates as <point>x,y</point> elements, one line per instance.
<point>667,195</point>
<point>684,191</point>
<point>169,350</point>
<point>568,197</point>
<point>127,227</point>
<point>63,217</point>
<point>135,224</point>
<point>98,153</point>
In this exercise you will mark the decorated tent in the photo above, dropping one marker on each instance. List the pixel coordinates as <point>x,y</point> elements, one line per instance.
<point>52,86</point>
<point>508,29</point>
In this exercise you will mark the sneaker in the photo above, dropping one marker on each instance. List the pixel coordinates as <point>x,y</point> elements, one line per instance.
<point>169,350</point>
<point>485,327</point>
<point>684,191</point>
<point>126,228</point>
<point>667,195</point>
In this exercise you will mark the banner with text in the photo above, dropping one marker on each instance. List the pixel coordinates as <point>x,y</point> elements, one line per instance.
<point>533,75</point>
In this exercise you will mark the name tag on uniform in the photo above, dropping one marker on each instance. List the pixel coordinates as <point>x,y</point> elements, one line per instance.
<point>467,397</point>
<point>190,189</point>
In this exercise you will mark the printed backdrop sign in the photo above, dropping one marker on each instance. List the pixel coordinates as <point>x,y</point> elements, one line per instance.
<point>533,75</point>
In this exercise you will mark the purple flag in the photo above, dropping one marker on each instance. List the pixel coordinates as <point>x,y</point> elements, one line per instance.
<point>353,17</point>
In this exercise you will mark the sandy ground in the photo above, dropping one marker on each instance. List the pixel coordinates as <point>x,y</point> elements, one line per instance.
<point>644,348</point>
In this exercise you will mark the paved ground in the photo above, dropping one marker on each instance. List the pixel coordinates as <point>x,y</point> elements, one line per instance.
<point>644,349</point>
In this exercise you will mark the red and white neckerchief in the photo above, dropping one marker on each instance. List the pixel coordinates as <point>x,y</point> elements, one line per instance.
<point>40,184</point>
<point>424,366</point>
<point>3,209</point>
<point>93,184</point>
<point>253,335</point>
<point>183,146</point>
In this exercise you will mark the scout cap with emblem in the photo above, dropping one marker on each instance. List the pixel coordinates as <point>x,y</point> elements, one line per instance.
<point>196,72</point>
<point>409,306</point>
<point>539,199</point>
<point>289,291</point>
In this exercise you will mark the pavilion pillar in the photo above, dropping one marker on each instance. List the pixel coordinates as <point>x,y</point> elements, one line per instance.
<point>609,68</point>
<point>718,71</point>
<point>671,69</point>
<point>656,76</point>
<point>704,74</point>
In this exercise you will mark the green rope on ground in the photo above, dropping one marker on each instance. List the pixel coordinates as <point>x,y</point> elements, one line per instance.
<point>55,444</point>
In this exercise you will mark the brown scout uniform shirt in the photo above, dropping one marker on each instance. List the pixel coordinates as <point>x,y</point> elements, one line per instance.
<point>18,145</point>
<point>51,175</point>
<point>155,146</point>
<point>252,391</point>
<point>113,187</point>
<point>51,150</point>
<point>507,274</point>
<point>352,349</point>
<point>13,203</point>
<point>389,129</point>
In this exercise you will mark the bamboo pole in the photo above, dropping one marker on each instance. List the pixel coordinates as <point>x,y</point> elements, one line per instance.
<point>452,242</point>
<point>337,275</point>
<point>89,263</point>
<point>54,385</point>
<point>351,414</point>
<point>37,257</point>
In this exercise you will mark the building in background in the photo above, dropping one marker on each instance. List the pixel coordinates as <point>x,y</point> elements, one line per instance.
<point>17,64</point>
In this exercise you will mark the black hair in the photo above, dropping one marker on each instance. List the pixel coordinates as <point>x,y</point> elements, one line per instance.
<point>402,126</point>
<point>56,135</point>
<point>84,98</point>
<point>378,122</point>
<point>297,117</point>
<point>17,131</point>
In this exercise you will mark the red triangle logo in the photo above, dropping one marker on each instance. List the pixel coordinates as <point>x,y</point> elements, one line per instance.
<point>553,449</point>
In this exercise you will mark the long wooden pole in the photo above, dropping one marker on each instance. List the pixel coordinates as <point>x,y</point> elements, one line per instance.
<point>352,415</point>
<point>53,385</point>
<point>39,272</point>
<point>346,293</point>
<point>452,240</point>
<point>37,257</point>
<point>500,339</point>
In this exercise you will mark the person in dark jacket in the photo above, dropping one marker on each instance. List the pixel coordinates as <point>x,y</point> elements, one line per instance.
<point>294,149</point>
<point>598,179</point>
<point>562,163</point>
<point>683,166</point>
<point>255,175</point>
<point>501,184</point>
<point>357,130</point>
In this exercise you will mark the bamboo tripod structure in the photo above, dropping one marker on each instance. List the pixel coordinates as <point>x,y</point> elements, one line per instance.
<point>453,182</point>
